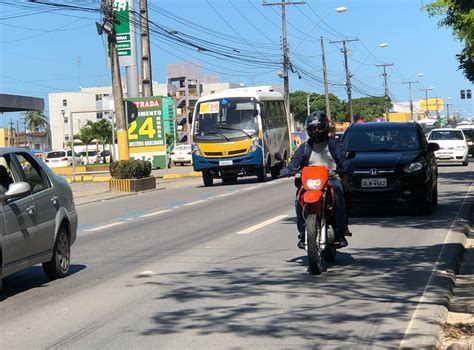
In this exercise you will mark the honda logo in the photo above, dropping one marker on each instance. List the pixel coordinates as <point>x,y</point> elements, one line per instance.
<point>373,172</point>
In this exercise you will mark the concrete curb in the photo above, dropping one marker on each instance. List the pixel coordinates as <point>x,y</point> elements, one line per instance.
<point>425,329</point>
<point>120,195</point>
<point>181,176</point>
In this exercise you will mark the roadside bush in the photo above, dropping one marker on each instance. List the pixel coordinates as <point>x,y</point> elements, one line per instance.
<point>130,169</point>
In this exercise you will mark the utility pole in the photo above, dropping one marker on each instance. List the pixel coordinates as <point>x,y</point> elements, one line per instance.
<point>307,103</point>
<point>147,82</point>
<point>411,97</point>
<point>447,109</point>
<point>348,74</point>
<point>286,61</point>
<point>385,83</point>
<point>17,133</point>
<point>10,133</point>
<point>427,110</point>
<point>117,91</point>
<point>325,76</point>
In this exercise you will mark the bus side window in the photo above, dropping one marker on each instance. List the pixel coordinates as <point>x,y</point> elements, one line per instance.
<point>281,114</point>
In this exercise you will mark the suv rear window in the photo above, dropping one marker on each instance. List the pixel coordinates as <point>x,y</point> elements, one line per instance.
<point>381,139</point>
<point>57,154</point>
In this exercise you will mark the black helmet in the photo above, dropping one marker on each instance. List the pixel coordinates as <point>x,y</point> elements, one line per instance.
<point>317,126</point>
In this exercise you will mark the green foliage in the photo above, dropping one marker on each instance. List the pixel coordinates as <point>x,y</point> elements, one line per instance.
<point>36,121</point>
<point>459,16</point>
<point>102,130</point>
<point>130,169</point>
<point>299,108</point>
<point>368,108</point>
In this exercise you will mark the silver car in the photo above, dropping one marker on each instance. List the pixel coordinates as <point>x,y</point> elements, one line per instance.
<point>38,219</point>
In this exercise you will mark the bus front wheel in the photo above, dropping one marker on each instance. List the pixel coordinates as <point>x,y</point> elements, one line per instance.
<point>261,174</point>
<point>207,178</point>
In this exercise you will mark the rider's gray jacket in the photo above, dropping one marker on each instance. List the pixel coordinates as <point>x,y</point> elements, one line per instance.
<point>303,154</point>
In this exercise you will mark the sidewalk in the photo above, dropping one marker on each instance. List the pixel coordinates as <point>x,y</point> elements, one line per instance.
<point>459,326</point>
<point>95,188</point>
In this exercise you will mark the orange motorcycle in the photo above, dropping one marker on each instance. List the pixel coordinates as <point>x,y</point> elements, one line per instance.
<point>317,199</point>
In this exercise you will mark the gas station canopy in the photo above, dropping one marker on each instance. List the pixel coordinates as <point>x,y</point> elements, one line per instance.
<point>16,103</point>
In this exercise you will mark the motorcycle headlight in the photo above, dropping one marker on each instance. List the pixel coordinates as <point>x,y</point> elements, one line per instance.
<point>460,148</point>
<point>196,150</point>
<point>254,146</point>
<point>412,167</point>
<point>314,184</point>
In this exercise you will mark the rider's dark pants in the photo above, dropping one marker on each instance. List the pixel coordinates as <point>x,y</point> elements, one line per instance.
<point>340,214</point>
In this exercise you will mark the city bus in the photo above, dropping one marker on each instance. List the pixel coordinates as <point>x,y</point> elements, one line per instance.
<point>240,132</point>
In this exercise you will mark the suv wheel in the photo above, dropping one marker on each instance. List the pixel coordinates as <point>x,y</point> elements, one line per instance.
<point>58,266</point>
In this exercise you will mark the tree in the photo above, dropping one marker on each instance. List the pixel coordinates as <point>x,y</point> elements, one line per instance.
<point>317,102</point>
<point>36,121</point>
<point>101,131</point>
<point>459,16</point>
<point>368,108</point>
<point>86,136</point>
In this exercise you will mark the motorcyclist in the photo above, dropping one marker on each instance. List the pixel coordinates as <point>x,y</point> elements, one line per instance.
<point>320,149</point>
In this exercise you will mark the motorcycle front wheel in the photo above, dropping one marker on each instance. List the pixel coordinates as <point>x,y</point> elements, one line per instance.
<point>315,254</point>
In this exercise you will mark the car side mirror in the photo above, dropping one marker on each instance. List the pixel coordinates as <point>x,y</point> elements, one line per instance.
<point>17,189</point>
<point>433,147</point>
<point>350,155</point>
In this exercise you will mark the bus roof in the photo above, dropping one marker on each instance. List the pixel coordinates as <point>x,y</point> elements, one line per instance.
<point>258,92</point>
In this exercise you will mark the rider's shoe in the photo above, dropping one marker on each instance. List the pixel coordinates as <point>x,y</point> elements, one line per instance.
<point>301,242</point>
<point>341,242</point>
<point>348,233</point>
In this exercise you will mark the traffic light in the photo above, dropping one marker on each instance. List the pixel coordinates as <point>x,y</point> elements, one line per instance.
<point>463,94</point>
<point>468,93</point>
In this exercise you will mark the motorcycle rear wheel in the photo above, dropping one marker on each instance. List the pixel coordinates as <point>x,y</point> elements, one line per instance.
<point>315,254</point>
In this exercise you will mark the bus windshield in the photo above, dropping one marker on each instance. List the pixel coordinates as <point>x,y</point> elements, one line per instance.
<point>226,119</point>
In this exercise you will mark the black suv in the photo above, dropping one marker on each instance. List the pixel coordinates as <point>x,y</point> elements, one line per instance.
<point>393,162</point>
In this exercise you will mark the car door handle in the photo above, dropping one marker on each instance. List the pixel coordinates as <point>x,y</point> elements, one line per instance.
<point>54,199</point>
<point>30,209</point>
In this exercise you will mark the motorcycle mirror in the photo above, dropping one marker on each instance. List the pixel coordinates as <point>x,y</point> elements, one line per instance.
<point>350,155</point>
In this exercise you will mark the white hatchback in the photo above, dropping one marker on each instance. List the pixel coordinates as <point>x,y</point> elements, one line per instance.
<point>452,143</point>
<point>61,158</point>
<point>181,154</point>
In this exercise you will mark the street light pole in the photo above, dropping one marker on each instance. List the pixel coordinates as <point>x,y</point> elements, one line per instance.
<point>325,76</point>
<point>286,61</point>
<point>307,103</point>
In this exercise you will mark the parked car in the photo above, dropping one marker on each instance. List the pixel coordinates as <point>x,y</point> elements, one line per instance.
<point>452,143</point>
<point>181,154</point>
<point>105,157</point>
<point>89,157</point>
<point>39,220</point>
<point>468,131</point>
<point>393,163</point>
<point>61,158</point>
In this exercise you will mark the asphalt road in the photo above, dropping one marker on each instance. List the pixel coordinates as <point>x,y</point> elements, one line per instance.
<point>195,267</point>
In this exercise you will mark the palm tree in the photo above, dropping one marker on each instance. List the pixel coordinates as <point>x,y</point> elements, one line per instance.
<point>102,131</point>
<point>36,121</point>
<point>86,136</point>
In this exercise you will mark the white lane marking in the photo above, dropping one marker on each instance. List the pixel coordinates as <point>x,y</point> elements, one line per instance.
<point>422,302</point>
<point>262,224</point>
<point>155,213</point>
<point>105,226</point>
<point>250,188</point>
<point>196,202</point>
<point>225,194</point>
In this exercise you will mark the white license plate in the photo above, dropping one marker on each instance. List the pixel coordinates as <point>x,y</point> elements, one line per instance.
<point>226,162</point>
<point>380,182</point>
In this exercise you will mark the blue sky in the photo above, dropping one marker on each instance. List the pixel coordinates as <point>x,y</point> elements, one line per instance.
<point>44,51</point>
